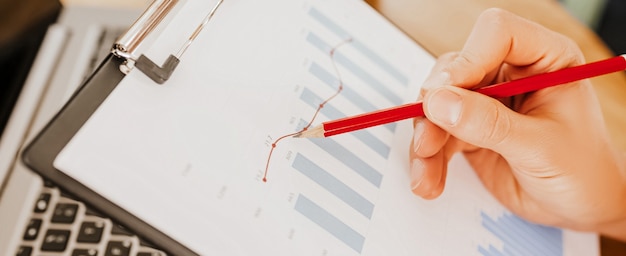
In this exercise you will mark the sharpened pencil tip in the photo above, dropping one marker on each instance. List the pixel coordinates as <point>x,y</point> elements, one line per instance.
<point>315,132</point>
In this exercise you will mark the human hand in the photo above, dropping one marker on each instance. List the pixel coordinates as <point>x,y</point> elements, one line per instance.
<point>546,155</point>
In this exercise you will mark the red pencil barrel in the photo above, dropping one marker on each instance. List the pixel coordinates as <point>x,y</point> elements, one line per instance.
<point>563,76</point>
<point>379,117</point>
<point>500,90</point>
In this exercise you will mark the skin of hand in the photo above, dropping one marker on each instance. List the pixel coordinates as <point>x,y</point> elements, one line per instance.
<point>546,155</point>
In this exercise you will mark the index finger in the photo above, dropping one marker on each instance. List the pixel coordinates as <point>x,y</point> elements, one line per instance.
<point>502,37</point>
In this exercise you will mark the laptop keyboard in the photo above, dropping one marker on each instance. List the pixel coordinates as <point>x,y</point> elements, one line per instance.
<point>62,226</point>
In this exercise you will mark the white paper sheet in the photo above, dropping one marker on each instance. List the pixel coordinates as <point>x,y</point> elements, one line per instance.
<point>188,156</point>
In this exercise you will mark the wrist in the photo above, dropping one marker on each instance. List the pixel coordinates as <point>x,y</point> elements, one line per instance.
<point>617,229</point>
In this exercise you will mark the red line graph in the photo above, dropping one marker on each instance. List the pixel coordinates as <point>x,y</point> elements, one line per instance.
<point>331,54</point>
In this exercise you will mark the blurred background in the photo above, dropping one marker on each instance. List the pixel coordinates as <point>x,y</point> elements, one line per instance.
<point>606,17</point>
<point>22,27</point>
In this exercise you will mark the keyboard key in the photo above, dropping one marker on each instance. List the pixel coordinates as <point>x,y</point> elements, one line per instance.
<point>64,213</point>
<point>118,248</point>
<point>150,254</point>
<point>91,212</point>
<point>24,251</point>
<point>119,230</point>
<point>55,240</point>
<point>90,232</point>
<point>32,230</point>
<point>42,203</point>
<point>84,252</point>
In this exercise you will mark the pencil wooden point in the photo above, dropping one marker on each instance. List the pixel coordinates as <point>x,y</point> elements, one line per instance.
<point>315,132</point>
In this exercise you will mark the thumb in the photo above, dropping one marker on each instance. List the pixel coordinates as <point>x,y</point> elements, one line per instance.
<point>476,119</point>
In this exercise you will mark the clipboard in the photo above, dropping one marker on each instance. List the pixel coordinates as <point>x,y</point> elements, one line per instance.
<point>39,155</point>
<point>342,196</point>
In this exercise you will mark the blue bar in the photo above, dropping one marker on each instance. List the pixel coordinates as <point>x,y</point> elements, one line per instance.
<point>519,234</point>
<point>355,69</point>
<point>521,237</point>
<point>353,96</point>
<point>349,159</point>
<point>333,113</point>
<point>509,242</point>
<point>483,252</point>
<point>548,235</point>
<point>492,251</point>
<point>332,26</point>
<point>333,185</point>
<point>330,223</point>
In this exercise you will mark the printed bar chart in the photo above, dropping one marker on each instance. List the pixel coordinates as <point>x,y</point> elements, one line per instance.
<point>520,237</point>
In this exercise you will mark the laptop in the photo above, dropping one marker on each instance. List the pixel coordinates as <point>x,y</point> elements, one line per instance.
<point>37,218</point>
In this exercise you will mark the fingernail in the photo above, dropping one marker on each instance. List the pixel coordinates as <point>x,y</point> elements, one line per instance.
<point>445,106</point>
<point>417,135</point>
<point>417,172</point>
<point>437,80</point>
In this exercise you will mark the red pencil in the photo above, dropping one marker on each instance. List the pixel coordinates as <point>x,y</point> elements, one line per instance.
<point>501,90</point>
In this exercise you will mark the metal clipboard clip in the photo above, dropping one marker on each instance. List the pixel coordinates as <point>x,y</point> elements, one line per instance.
<point>126,46</point>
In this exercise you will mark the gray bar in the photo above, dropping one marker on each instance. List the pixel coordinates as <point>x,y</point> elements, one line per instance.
<point>331,80</point>
<point>333,113</point>
<point>330,223</point>
<point>333,185</point>
<point>355,69</point>
<point>332,26</point>
<point>349,159</point>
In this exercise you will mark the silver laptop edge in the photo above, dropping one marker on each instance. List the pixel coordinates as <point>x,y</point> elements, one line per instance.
<point>64,59</point>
